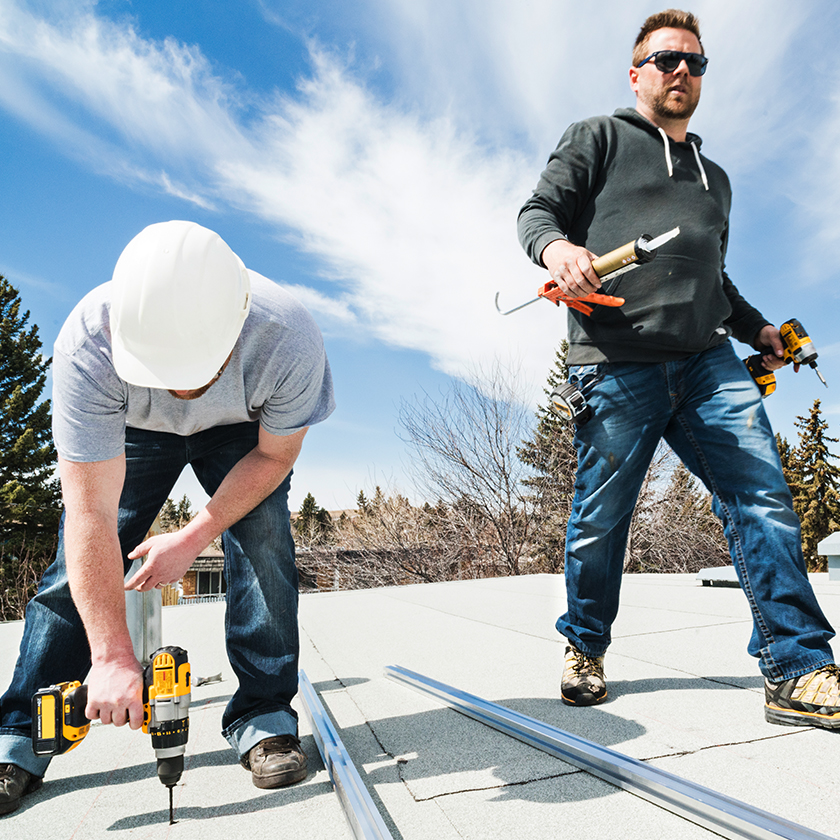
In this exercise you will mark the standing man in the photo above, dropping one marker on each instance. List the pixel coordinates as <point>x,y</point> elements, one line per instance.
<point>662,366</point>
<point>185,357</point>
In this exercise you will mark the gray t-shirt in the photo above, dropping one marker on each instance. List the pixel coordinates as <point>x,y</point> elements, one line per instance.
<point>278,374</point>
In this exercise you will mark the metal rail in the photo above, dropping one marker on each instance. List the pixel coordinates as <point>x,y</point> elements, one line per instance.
<point>362,816</point>
<point>715,811</point>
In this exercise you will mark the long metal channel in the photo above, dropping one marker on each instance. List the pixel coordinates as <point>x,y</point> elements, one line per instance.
<point>364,819</point>
<point>720,814</point>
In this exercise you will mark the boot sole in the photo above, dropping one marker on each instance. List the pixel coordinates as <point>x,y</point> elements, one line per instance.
<point>583,699</point>
<point>790,717</point>
<point>278,780</point>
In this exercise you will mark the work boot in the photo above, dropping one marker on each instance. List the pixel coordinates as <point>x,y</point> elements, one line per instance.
<point>583,682</point>
<point>15,783</point>
<point>810,700</point>
<point>276,762</point>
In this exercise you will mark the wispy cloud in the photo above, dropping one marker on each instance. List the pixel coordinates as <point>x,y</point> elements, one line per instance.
<point>414,222</point>
<point>408,201</point>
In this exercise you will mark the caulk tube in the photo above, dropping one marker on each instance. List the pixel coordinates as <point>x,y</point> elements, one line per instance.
<point>633,252</point>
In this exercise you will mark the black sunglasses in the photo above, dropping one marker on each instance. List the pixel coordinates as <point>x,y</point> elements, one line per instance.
<point>666,61</point>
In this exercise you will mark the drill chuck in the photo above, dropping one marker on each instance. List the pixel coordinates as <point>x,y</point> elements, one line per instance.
<point>169,770</point>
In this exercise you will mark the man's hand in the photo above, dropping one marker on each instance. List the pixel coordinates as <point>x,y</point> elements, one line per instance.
<point>770,337</point>
<point>115,692</point>
<point>169,557</point>
<point>570,267</point>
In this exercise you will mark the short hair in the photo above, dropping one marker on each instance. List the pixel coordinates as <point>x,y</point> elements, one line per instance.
<point>671,19</point>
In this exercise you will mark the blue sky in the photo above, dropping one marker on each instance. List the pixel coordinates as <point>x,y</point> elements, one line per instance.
<point>373,155</point>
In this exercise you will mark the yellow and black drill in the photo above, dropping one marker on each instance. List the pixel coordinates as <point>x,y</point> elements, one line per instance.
<point>59,723</point>
<point>799,349</point>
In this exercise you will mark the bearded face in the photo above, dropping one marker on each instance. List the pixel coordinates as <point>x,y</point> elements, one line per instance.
<point>667,96</point>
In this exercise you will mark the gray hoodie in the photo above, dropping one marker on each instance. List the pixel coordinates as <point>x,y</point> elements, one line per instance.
<point>611,179</point>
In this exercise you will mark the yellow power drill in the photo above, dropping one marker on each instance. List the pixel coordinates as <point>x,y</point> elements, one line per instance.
<point>59,723</point>
<point>798,349</point>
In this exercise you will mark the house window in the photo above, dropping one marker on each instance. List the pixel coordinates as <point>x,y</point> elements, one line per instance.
<point>210,583</point>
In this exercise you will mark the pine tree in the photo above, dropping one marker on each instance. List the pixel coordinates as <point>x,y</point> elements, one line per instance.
<point>786,456</point>
<point>313,524</point>
<point>184,511</point>
<point>29,491</point>
<point>550,453</point>
<point>362,504</point>
<point>168,517</point>
<point>814,483</point>
<point>173,517</point>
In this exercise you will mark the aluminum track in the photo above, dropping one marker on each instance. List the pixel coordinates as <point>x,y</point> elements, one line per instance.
<point>714,811</point>
<point>362,815</point>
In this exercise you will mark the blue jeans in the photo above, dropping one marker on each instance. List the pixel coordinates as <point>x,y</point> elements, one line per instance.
<point>262,596</point>
<point>709,411</point>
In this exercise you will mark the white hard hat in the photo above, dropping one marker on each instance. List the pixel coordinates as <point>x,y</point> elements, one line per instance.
<point>179,298</point>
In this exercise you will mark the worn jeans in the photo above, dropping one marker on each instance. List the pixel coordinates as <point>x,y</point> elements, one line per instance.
<point>709,411</point>
<point>262,595</point>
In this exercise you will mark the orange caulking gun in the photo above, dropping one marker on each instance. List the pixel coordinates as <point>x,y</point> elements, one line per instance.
<point>619,261</point>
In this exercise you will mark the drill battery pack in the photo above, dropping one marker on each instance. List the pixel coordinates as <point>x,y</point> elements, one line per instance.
<point>58,718</point>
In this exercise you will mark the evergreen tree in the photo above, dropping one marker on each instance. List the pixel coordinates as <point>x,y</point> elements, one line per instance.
<point>184,511</point>
<point>313,524</point>
<point>168,517</point>
<point>173,517</point>
<point>362,504</point>
<point>29,491</point>
<point>30,504</point>
<point>551,454</point>
<point>786,456</point>
<point>814,483</point>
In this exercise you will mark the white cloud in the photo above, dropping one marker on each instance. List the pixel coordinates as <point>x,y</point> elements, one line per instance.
<point>327,307</point>
<point>415,226</point>
<point>114,99</point>
<point>410,203</point>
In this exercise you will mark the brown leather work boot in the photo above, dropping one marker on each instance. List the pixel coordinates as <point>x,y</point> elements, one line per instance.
<point>15,783</point>
<point>276,762</point>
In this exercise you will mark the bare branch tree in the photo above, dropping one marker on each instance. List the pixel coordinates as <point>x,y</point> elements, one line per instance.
<point>21,569</point>
<point>465,444</point>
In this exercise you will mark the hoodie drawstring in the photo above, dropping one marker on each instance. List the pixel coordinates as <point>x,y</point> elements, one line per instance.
<point>700,165</point>
<point>670,163</point>
<point>667,151</point>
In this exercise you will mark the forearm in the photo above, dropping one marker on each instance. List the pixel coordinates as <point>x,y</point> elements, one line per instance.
<point>95,573</point>
<point>91,493</point>
<point>250,482</point>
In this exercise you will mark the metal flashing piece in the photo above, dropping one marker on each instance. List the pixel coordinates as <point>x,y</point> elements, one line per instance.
<point>703,806</point>
<point>362,815</point>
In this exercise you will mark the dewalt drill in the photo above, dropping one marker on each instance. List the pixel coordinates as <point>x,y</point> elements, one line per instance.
<point>798,349</point>
<point>59,723</point>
